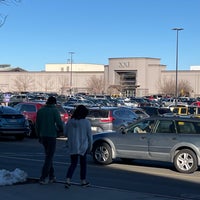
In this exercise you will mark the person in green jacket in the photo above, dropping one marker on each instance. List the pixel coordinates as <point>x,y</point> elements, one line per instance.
<point>48,125</point>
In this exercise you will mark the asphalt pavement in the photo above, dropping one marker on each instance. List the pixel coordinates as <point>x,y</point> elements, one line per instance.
<point>32,190</point>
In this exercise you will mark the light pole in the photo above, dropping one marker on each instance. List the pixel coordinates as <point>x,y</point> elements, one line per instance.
<point>71,53</point>
<point>177,30</point>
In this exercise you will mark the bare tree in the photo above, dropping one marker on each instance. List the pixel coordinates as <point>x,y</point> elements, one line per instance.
<point>168,87</point>
<point>115,89</point>
<point>47,84</point>
<point>3,17</point>
<point>64,84</point>
<point>95,85</point>
<point>23,83</point>
<point>184,88</point>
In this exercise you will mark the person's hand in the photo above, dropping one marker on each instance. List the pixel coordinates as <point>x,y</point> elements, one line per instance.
<point>89,150</point>
<point>60,134</point>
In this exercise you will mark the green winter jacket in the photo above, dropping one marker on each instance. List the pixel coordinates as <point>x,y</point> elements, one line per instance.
<point>48,121</point>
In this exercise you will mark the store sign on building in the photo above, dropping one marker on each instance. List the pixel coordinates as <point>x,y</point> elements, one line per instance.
<point>123,65</point>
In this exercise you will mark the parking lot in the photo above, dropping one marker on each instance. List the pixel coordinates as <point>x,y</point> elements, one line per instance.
<point>155,178</point>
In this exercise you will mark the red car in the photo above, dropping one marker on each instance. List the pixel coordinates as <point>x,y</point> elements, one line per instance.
<point>29,110</point>
<point>197,103</point>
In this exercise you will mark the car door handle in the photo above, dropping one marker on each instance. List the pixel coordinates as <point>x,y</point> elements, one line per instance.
<point>174,138</point>
<point>143,137</point>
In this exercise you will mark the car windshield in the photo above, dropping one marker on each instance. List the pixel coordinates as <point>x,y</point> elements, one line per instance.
<point>60,109</point>
<point>8,110</point>
<point>98,113</point>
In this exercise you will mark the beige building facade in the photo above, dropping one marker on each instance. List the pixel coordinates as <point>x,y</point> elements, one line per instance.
<point>136,76</point>
<point>132,76</point>
<point>57,78</point>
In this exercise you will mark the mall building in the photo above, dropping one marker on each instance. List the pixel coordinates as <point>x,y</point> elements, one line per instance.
<point>131,76</point>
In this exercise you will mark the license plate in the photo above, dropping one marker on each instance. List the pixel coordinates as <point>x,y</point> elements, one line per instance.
<point>12,120</point>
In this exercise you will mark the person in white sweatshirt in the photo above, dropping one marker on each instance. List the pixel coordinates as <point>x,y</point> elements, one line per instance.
<point>79,140</point>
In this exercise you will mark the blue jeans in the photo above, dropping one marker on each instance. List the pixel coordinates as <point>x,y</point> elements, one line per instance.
<point>73,165</point>
<point>49,144</point>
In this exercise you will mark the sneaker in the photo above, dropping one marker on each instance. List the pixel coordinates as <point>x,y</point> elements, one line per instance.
<point>67,185</point>
<point>52,180</point>
<point>43,181</point>
<point>85,184</point>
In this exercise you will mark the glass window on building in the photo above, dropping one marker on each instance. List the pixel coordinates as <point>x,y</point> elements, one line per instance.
<point>127,80</point>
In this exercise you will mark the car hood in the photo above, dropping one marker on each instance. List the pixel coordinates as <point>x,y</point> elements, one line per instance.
<point>104,134</point>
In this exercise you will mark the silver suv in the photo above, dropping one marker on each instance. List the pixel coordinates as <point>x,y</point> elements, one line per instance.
<point>110,118</point>
<point>170,139</point>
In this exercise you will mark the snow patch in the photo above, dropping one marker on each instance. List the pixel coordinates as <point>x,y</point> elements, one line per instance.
<point>12,177</point>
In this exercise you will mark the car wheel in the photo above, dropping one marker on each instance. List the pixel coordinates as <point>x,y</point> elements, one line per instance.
<point>185,161</point>
<point>31,133</point>
<point>102,153</point>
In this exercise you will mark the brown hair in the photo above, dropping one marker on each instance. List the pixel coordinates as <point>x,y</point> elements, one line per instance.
<point>51,100</point>
<point>80,112</point>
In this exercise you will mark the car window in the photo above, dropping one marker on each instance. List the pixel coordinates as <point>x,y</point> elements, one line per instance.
<point>98,113</point>
<point>192,110</point>
<point>17,107</point>
<point>175,110</point>
<point>152,111</point>
<point>138,112</point>
<point>183,110</point>
<point>28,108</point>
<point>7,110</point>
<point>60,109</point>
<point>165,126</point>
<point>124,113</point>
<point>188,127</point>
<point>94,113</point>
<point>145,126</point>
<point>180,110</point>
<point>162,111</point>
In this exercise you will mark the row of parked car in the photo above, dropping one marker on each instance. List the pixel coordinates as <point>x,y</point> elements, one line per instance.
<point>102,118</point>
<point>125,132</point>
<point>19,120</point>
<point>151,133</point>
<point>106,118</point>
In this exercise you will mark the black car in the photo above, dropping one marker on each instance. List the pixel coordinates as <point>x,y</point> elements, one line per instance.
<point>155,111</point>
<point>13,123</point>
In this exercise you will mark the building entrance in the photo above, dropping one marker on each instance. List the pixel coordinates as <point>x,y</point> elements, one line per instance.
<point>127,81</point>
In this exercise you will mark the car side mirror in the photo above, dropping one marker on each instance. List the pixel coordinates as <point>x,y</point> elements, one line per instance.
<point>123,131</point>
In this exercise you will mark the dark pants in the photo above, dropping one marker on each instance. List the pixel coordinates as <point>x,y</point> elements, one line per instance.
<point>49,144</point>
<point>73,165</point>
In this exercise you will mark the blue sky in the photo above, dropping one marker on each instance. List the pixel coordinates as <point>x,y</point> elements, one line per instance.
<point>37,32</point>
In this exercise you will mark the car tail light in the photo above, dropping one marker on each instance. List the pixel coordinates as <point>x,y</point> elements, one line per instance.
<point>65,117</point>
<point>110,118</point>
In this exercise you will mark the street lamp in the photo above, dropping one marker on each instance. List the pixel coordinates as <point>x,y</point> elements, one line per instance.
<point>71,53</point>
<point>177,30</point>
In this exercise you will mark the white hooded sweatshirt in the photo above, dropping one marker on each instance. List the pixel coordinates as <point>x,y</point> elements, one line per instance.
<point>79,135</point>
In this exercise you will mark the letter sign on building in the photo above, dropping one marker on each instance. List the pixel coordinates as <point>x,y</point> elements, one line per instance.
<point>123,65</point>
